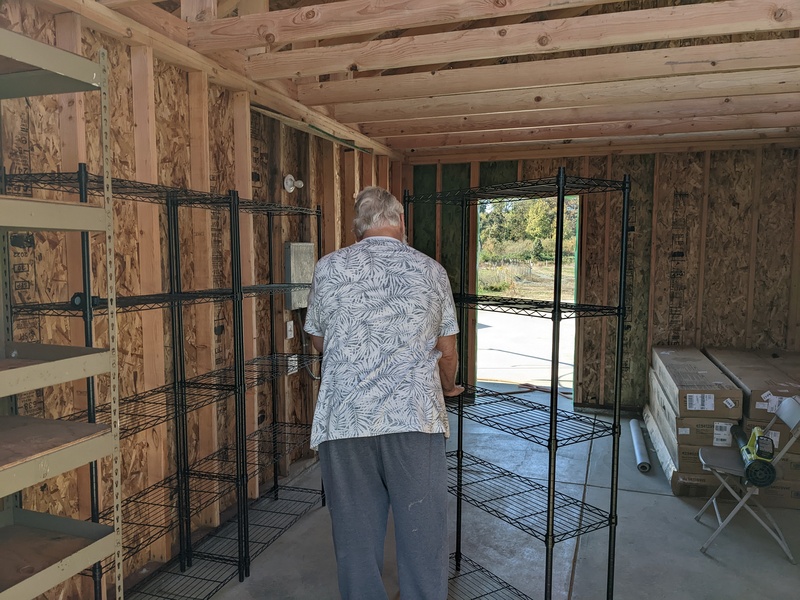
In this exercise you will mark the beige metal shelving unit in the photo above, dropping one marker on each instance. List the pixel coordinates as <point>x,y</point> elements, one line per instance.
<point>38,550</point>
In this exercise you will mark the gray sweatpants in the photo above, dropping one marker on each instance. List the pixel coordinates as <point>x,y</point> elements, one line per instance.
<point>363,477</point>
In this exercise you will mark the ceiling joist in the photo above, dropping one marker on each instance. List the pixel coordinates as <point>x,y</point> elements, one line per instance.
<point>578,33</point>
<point>683,60</point>
<point>353,18</point>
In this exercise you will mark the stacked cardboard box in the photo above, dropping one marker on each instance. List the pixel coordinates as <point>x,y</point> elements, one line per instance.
<point>691,404</point>
<point>766,377</point>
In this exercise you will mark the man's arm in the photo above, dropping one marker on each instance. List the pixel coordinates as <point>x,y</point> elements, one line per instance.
<point>448,365</point>
<point>317,342</point>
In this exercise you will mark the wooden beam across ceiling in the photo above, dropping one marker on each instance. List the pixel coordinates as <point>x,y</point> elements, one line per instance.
<point>578,33</point>
<point>683,60</point>
<point>355,17</point>
<point>389,131</point>
<point>744,83</point>
<point>606,147</point>
<point>788,122</point>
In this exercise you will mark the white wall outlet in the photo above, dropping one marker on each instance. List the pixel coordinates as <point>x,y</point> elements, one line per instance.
<point>289,330</point>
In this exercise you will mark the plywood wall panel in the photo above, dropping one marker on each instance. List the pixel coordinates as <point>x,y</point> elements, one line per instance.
<point>593,228</point>
<point>773,262</point>
<point>635,359</point>
<point>676,247</point>
<point>727,265</point>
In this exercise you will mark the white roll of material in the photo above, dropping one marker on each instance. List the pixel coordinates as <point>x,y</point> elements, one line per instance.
<point>639,447</point>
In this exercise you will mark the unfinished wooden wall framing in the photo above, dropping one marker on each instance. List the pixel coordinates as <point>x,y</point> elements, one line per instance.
<point>733,211</point>
<point>712,254</point>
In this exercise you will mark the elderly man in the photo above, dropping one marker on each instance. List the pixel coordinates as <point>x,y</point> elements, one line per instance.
<point>382,314</point>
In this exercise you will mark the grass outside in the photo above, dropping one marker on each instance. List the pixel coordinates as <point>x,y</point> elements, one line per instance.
<point>528,280</point>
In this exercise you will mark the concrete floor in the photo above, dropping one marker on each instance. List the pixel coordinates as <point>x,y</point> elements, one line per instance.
<point>657,546</point>
<point>658,540</point>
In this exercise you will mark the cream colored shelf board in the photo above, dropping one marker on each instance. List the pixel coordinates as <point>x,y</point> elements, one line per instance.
<point>39,551</point>
<point>32,68</point>
<point>33,449</point>
<point>29,214</point>
<point>25,367</point>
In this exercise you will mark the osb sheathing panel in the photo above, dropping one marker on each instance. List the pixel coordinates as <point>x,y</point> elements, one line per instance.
<point>676,244</point>
<point>637,285</point>
<point>593,227</point>
<point>727,259</point>
<point>773,260</point>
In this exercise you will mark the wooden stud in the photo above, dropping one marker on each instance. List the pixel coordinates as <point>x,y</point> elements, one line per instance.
<point>146,168</point>
<point>438,217</point>
<point>351,187</point>
<point>606,284</point>
<point>752,263</point>
<point>332,205</point>
<point>583,269</point>
<point>205,342</point>
<point>651,306</point>
<point>244,184</point>
<point>793,335</point>
<point>701,276</point>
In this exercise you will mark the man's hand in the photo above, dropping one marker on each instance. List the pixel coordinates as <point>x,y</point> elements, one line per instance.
<point>456,391</point>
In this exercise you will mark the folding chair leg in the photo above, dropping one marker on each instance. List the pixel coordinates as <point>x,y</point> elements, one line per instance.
<point>711,501</point>
<point>772,529</point>
<point>742,502</point>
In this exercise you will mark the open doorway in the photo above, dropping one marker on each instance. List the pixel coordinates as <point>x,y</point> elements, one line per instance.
<point>516,259</point>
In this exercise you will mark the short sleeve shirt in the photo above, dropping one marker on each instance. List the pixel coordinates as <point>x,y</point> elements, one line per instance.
<point>380,306</point>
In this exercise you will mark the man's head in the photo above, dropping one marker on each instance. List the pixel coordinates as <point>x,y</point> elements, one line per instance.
<point>377,209</point>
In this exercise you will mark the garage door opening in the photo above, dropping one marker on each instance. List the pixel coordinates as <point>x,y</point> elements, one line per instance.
<point>516,259</point>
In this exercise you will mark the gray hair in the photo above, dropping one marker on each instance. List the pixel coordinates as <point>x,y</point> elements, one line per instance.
<point>376,207</point>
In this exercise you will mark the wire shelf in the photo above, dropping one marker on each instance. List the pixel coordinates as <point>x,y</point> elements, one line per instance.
<point>268,518</point>
<point>527,419</point>
<point>266,368</point>
<point>264,208</point>
<point>473,582</point>
<point>520,501</point>
<point>147,516</point>
<point>533,308</point>
<point>201,582</point>
<point>215,558</point>
<point>519,190</point>
<point>271,443</point>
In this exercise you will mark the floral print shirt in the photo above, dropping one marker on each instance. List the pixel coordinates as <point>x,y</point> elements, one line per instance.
<point>380,306</point>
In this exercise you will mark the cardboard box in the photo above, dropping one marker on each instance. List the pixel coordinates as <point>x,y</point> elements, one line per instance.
<point>781,494</point>
<point>693,431</point>
<point>684,436</point>
<point>693,385</point>
<point>701,484</point>
<point>763,384</point>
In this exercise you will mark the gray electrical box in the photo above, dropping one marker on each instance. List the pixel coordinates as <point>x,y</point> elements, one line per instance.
<point>298,268</point>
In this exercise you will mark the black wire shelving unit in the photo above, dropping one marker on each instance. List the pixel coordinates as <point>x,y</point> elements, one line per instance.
<point>539,510</point>
<point>171,504</point>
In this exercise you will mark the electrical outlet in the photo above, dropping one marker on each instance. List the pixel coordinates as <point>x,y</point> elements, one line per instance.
<point>292,364</point>
<point>289,330</point>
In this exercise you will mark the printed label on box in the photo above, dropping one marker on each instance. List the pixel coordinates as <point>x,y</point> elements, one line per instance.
<point>684,431</point>
<point>762,405</point>
<point>729,403</point>
<point>700,401</point>
<point>774,403</point>
<point>722,434</point>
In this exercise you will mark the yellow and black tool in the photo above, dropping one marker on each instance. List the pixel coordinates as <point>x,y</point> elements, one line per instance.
<point>757,453</point>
